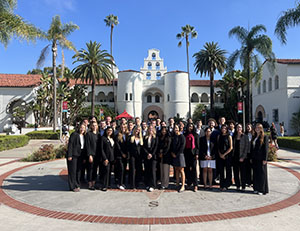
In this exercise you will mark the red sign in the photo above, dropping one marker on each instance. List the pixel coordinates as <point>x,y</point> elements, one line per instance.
<point>240,107</point>
<point>65,105</point>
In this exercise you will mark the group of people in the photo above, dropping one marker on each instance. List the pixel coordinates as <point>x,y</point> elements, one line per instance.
<point>140,154</point>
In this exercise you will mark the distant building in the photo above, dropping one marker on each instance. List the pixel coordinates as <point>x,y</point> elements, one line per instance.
<point>277,96</point>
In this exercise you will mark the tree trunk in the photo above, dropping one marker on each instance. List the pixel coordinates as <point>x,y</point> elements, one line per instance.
<point>248,109</point>
<point>188,71</point>
<point>113,81</point>
<point>62,63</point>
<point>93,99</point>
<point>54,54</point>
<point>212,92</point>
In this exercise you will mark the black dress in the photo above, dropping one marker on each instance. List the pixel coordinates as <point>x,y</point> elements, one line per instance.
<point>93,149</point>
<point>223,146</point>
<point>177,147</point>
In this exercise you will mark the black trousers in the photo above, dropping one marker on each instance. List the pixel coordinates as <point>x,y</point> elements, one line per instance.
<point>260,177</point>
<point>249,171</point>
<point>106,175</point>
<point>135,170</point>
<point>74,172</point>
<point>150,172</point>
<point>120,170</point>
<point>92,170</point>
<point>190,170</point>
<point>225,181</point>
<point>239,171</point>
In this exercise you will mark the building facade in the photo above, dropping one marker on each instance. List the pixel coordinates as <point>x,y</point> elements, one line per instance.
<point>277,96</point>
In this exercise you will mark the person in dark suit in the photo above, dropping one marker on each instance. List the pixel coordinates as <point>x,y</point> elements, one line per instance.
<point>121,156</point>
<point>259,152</point>
<point>75,156</point>
<point>191,155</point>
<point>207,156</point>
<point>164,158</point>
<point>177,152</point>
<point>108,155</point>
<point>248,164</point>
<point>150,158</point>
<point>92,149</point>
<point>135,146</point>
<point>240,150</point>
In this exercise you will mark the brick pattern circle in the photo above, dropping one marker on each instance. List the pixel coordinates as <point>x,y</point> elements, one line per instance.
<point>11,202</point>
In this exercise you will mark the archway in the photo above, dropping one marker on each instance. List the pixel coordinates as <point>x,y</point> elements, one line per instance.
<point>152,115</point>
<point>260,113</point>
<point>153,111</point>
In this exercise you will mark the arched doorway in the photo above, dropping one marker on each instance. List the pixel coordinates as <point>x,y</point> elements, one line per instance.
<point>152,115</point>
<point>153,112</point>
<point>259,117</point>
<point>260,113</point>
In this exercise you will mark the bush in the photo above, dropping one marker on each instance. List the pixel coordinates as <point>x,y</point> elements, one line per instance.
<point>61,151</point>
<point>47,152</point>
<point>292,142</point>
<point>272,154</point>
<point>9,142</point>
<point>44,135</point>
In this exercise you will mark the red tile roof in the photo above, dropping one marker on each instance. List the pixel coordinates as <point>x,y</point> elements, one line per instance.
<point>176,71</point>
<point>288,61</point>
<point>202,83</point>
<point>79,82</point>
<point>130,71</point>
<point>19,80</point>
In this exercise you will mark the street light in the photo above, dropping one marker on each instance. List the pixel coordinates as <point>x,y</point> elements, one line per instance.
<point>61,113</point>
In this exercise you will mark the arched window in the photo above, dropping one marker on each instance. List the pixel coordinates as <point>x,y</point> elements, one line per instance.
<point>157,99</point>
<point>158,75</point>
<point>204,98</point>
<point>276,82</point>
<point>149,99</point>
<point>259,89</point>
<point>110,97</point>
<point>270,84</point>
<point>148,75</point>
<point>157,65</point>
<point>153,56</point>
<point>89,97</point>
<point>126,96</point>
<point>149,66</point>
<point>168,97</point>
<point>195,98</point>
<point>264,86</point>
<point>101,97</point>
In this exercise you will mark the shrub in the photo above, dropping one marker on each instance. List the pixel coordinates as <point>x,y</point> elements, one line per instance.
<point>292,142</point>
<point>45,152</point>
<point>9,142</point>
<point>61,151</point>
<point>272,154</point>
<point>45,135</point>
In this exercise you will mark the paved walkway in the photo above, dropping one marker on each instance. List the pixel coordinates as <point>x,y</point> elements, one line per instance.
<point>35,196</point>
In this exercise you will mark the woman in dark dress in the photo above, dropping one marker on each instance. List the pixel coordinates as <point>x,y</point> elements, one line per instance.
<point>92,149</point>
<point>150,158</point>
<point>121,156</point>
<point>248,164</point>
<point>75,156</point>
<point>107,152</point>
<point>259,151</point>
<point>177,148</point>
<point>135,147</point>
<point>240,150</point>
<point>191,154</point>
<point>164,158</point>
<point>225,155</point>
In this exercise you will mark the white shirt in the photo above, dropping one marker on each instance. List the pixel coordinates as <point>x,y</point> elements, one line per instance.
<point>149,141</point>
<point>208,147</point>
<point>81,141</point>
<point>137,142</point>
<point>112,142</point>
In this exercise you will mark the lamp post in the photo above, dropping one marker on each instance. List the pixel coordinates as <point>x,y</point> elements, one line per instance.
<point>61,115</point>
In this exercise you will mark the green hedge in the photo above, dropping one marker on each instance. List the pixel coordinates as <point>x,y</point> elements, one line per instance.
<point>9,142</point>
<point>292,142</point>
<point>44,135</point>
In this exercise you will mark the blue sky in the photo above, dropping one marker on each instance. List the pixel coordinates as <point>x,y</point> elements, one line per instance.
<point>148,24</point>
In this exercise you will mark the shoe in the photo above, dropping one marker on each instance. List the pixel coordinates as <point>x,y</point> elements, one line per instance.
<point>243,190</point>
<point>195,189</point>
<point>104,189</point>
<point>255,192</point>
<point>260,193</point>
<point>238,188</point>
<point>181,190</point>
<point>121,187</point>
<point>162,188</point>
<point>92,188</point>
<point>223,189</point>
<point>151,189</point>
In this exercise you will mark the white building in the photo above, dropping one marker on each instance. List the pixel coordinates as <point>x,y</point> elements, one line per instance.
<point>148,93</point>
<point>277,96</point>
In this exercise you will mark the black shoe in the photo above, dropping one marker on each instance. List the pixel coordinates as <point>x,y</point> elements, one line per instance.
<point>104,189</point>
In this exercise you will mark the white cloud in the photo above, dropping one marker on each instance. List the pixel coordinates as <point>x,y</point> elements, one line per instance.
<point>61,5</point>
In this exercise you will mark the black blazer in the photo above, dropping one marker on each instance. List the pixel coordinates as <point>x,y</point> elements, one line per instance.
<point>260,151</point>
<point>107,149</point>
<point>204,148</point>
<point>244,145</point>
<point>121,147</point>
<point>92,144</point>
<point>134,150</point>
<point>164,148</point>
<point>195,151</point>
<point>178,145</point>
<point>74,146</point>
<point>152,149</point>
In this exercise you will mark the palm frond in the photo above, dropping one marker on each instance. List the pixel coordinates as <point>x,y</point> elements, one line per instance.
<point>42,56</point>
<point>231,61</point>
<point>239,32</point>
<point>255,30</point>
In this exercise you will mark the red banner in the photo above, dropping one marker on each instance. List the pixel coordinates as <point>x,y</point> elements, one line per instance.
<point>240,107</point>
<point>65,105</point>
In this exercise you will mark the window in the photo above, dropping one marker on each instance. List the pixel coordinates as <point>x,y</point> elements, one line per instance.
<point>157,65</point>
<point>264,86</point>
<point>153,56</point>
<point>157,99</point>
<point>149,99</point>
<point>270,84</point>
<point>275,115</point>
<point>126,96</point>
<point>195,98</point>
<point>130,96</point>
<point>149,66</point>
<point>276,82</point>
<point>204,98</point>
<point>148,75</point>
<point>168,97</point>
<point>259,89</point>
<point>158,74</point>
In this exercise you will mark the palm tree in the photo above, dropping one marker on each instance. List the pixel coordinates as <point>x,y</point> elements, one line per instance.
<point>112,21</point>
<point>208,61</point>
<point>251,40</point>
<point>289,18</point>
<point>56,35</point>
<point>95,66</point>
<point>186,32</point>
<point>12,25</point>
